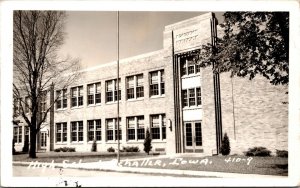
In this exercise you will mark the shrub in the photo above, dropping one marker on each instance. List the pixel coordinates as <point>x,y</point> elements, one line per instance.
<point>111,149</point>
<point>131,149</point>
<point>258,151</point>
<point>94,146</point>
<point>65,149</point>
<point>282,153</point>
<point>147,142</point>
<point>225,146</point>
<point>71,150</point>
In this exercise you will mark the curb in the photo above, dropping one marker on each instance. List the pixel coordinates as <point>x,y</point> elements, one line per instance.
<point>111,166</point>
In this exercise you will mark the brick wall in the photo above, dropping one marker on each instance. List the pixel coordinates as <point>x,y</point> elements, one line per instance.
<point>253,113</point>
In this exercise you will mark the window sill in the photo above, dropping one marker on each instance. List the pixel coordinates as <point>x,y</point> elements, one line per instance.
<point>190,75</point>
<point>114,102</point>
<point>93,105</point>
<point>157,96</point>
<point>113,142</point>
<point>192,107</point>
<point>97,142</point>
<point>77,143</point>
<point>76,107</point>
<point>135,141</point>
<point>137,99</point>
<point>61,109</point>
<point>61,143</point>
<point>159,141</point>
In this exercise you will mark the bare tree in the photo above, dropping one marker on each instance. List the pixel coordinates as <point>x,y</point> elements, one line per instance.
<point>37,36</point>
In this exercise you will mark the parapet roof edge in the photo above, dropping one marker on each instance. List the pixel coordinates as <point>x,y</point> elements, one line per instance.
<point>122,61</point>
<point>200,18</point>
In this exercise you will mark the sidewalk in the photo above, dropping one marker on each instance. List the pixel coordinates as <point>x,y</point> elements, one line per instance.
<point>113,166</point>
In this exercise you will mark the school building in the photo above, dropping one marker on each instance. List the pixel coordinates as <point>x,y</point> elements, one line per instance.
<point>187,108</point>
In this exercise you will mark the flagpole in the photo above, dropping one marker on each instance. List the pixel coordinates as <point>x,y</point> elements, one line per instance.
<point>118,108</point>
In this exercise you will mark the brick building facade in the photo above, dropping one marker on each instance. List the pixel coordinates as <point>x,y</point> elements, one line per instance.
<point>187,108</point>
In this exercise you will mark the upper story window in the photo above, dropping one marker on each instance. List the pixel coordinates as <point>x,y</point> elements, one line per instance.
<point>190,66</point>
<point>27,104</point>
<point>191,97</point>
<point>112,131</point>
<point>76,96</point>
<point>135,86</point>
<point>16,107</point>
<point>43,104</point>
<point>94,93</point>
<point>111,90</point>
<point>157,83</point>
<point>158,126</point>
<point>61,101</point>
<point>61,132</point>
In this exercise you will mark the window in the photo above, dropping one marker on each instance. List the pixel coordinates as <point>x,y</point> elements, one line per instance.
<point>111,129</point>
<point>131,128</point>
<point>16,107</point>
<point>61,101</point>
<point>158,126</point>
<point>94,130</point>
<point>18,134</point>
<point>157,83</point>
<point>191,97</point>
<point>135,128</point>
<point>61,132</point>
<point>77,96</point>
<point>27,104</point>
<point>190,65</point>
<point>140,128</point>
<point>26,131</point>
<point>111,90</point>
<point>94,93</point>
<point>135,87</point>
<point>43,104</point>
<point>130,87</point>
<point>192,101</point>
<point>76,131</point>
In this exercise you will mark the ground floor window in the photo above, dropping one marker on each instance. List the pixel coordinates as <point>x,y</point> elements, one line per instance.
<point>94,130</point>
<point>158,126</point>
<point>61,132</point>
<point>135,128</point>
<point>111,129</point>
<point>76,131</point>
<point>18,134</point>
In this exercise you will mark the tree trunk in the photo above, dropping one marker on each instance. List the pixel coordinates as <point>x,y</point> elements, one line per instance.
<point>32,150</point>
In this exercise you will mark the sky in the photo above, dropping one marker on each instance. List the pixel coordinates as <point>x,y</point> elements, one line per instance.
<point>92,35</point>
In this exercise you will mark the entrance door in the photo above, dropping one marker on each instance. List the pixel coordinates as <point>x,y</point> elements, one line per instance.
<point>43,140</point>
<point>193,137</point>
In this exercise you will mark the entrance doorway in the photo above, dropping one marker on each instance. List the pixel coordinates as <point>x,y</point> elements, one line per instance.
<point>193,137</point>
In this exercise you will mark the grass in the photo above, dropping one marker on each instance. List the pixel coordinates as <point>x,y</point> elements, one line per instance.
<point>85,157</point>
<point>246,165</point>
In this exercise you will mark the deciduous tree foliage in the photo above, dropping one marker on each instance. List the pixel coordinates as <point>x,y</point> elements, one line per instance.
<point>250,44</point>
<point>37,36</point>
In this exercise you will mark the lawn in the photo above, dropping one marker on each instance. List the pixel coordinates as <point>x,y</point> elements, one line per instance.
<point>232,164</point>
<point>85,157</point>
